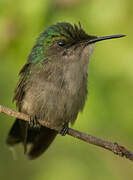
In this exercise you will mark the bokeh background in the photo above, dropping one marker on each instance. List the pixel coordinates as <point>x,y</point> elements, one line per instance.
<point>108,112</point>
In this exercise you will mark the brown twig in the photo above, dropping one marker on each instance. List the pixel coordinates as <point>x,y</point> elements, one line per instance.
<point>114,147</point>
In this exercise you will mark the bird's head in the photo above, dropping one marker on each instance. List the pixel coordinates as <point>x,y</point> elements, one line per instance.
<point>64,39</point>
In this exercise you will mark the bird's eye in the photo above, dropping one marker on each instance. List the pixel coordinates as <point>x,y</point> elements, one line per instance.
<point>61,43</point>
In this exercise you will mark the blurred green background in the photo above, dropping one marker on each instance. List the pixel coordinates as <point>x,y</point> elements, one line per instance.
<point>109,109</point>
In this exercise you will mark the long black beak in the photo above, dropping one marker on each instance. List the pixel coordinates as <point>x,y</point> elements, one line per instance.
<point>96,39</point>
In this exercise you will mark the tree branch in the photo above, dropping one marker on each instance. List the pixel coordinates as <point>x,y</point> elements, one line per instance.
<point>113,147</point>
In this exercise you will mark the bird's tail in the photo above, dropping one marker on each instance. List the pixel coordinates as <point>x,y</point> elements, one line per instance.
<point>39,138</point>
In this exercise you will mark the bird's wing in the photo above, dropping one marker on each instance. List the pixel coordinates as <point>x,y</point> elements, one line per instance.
<point>20,89</point>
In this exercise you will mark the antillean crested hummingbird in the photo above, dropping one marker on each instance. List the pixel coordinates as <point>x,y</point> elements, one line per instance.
<point>53,85</point>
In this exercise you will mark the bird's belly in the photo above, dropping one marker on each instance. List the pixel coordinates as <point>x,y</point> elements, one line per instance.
<point>57,101</point>
<point>53,104</point>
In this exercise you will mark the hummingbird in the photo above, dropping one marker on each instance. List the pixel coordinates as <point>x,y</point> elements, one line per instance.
<point>52,85</point>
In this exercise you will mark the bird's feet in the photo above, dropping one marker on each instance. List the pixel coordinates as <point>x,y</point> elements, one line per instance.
<point>64,129</point>
<point>34,122</point>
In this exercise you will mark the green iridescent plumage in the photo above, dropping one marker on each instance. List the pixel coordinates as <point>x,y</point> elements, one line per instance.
<point>60,31</point>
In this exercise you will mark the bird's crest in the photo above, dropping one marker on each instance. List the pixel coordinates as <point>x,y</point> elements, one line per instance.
<point>64,31</point>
